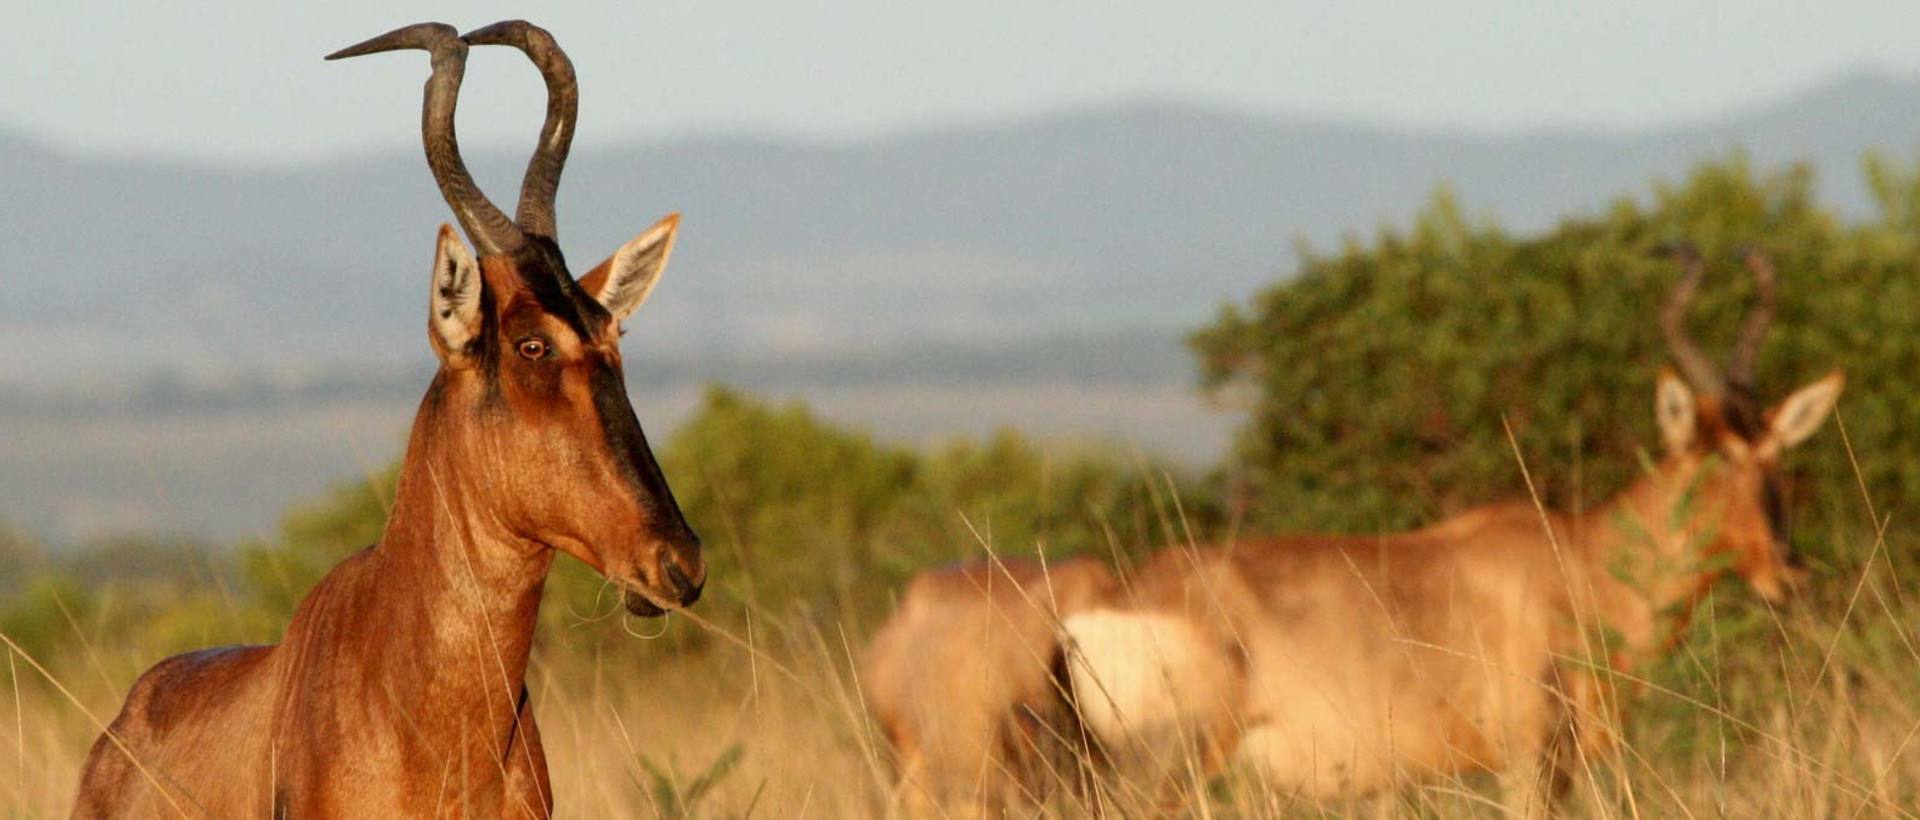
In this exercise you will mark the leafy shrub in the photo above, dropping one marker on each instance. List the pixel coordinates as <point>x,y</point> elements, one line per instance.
<point>1381,381</point>
<point>39,616</point>
<point>796,510</point>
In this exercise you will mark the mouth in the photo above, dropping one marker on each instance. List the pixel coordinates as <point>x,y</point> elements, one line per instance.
<point>1778,589</point>
<point>640,603</point>
<point>643,600</point>
<point>1787,580</point>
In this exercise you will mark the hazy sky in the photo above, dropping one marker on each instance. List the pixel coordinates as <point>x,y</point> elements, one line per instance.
<point>244,82</point>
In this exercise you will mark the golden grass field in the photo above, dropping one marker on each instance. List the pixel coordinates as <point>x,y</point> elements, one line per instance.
<point>1808,711</point>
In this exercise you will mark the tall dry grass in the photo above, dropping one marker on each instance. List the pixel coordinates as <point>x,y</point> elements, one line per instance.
<point>1811,711</point>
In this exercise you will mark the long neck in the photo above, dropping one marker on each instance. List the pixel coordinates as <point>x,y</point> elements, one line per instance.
<point>440,614</point>
<point>476,585</point>
<point>1643,577</point>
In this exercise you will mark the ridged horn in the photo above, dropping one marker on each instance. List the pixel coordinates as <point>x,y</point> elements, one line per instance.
<point>489,229</point>
<point>542,181</point>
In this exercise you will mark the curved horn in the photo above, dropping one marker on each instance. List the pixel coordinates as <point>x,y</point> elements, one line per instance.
<point>1693,364</point>
<point>1753,331</point>
<point>492,233</point>
<point>542,182</point>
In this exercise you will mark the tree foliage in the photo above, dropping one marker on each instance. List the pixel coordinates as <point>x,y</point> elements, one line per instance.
<point>1381,382</point>
<point>795,509</point>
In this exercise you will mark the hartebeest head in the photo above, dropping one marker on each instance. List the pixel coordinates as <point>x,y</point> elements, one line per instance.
<point>1723,448</point>
<point>530,399</point>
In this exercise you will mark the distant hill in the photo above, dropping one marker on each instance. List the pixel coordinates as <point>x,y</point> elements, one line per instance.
<point>1136,216</point>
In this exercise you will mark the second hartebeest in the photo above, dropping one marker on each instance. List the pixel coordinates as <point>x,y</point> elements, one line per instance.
<point>1490,641</point>
<point>965,683</point>
<point>399,689</point>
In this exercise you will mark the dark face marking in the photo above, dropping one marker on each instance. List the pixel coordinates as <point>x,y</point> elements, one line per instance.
<point>1756,534</point>
<point>632,457</point>
<point>1740,422</point>
<point>1777,518</point>
<point>544,272</point>
<point>549,305</point>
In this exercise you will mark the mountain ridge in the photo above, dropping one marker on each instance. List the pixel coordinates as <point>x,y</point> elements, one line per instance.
<point>1137,213</point>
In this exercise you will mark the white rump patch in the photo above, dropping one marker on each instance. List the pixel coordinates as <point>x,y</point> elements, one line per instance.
<point>1145,678</point>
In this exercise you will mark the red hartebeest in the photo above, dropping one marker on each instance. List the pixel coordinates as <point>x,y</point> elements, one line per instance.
<point>399,689</point>
<point>964,682</point>
<point>1336,665</point>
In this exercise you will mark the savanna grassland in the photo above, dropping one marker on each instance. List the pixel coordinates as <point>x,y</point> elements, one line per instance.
<point>1403,377</point>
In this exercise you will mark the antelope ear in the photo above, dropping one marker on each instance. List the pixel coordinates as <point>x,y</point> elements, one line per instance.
<point>1673,406</point>
<point>1803,412</point>
<point>454,317</point>
<point>623,282</point>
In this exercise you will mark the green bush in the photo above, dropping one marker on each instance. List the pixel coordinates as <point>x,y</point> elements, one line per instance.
<point>1381,381</point>
<point>39,616</point>
<point>795,510</point>
<point>788,506</point>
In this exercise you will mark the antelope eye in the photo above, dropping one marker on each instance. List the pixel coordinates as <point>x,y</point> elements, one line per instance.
<point>533,348</point>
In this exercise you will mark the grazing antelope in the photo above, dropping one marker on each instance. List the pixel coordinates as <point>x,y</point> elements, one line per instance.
<point>1335,665</point>
<point>399,689</point>
<point>963,680</point>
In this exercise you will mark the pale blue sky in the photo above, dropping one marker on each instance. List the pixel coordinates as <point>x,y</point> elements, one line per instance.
<point>243,82</point>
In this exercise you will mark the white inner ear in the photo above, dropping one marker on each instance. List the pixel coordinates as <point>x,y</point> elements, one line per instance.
<point>636,269</point>
<point>455,302</point>
<point>1673,406</point>
<point>1804,411</point>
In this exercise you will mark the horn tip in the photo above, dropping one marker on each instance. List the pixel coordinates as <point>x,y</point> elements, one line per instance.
<point>418,35</point>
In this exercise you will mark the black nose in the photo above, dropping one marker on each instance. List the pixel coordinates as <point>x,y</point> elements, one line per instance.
<point>685,590</point>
